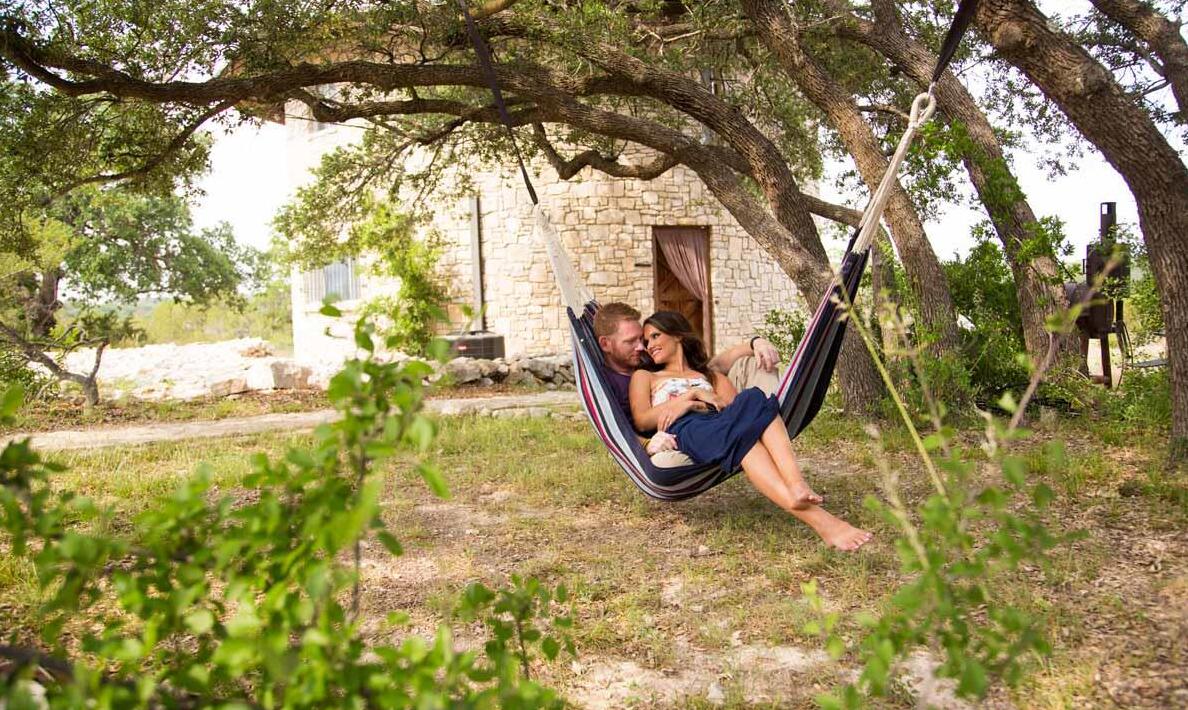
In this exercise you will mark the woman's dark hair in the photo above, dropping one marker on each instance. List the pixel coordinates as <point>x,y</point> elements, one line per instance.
<point>676,325</point>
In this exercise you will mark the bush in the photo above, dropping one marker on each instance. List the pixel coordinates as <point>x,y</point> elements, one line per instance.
<point>209,599</point>
<point>16,372</point>
<point>267,315</point>
<point>1144,398</point>
<point>984,293</point>
<point>959,550</point>
<point>784,330</point>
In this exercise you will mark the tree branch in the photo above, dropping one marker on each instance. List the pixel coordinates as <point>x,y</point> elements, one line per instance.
<point>566,169</point>
<point>1161,35</point>
<point>885,108</point>
<point>60,669</point>
<point>174,145</point>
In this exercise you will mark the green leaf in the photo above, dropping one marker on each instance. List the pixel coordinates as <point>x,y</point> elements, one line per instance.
<point>434,480</point>
<point>1014,470</point>
<point>421,433</point>
<point>363,340</point>
<point>390,543</point>
<point>549,647</point>
<point>315,637</point>
<point>1008,403</point>
<point>200,621</point>
<point>328,309</point>
<point>12,400</point>
<point>1042,495</point>
<point>973,680</point>
<point>835,647</point>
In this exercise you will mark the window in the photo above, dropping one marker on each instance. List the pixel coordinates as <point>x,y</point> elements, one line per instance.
<point>340,280</point>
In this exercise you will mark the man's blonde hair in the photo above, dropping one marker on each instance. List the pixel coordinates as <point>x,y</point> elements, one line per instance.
<point>608,317</point>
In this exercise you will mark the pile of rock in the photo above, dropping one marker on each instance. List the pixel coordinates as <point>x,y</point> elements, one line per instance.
<point>251,365</point>
<point>169,371</point>
<point>547,370</point>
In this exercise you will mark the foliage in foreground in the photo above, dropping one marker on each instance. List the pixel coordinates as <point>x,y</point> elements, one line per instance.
<point>958,551</point>
<point>253,600</point>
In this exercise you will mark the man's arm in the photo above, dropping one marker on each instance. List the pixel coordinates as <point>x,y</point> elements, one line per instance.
<point>764,352</point>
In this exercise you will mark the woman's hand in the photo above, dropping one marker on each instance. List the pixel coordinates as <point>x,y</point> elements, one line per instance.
<point>706,397</point>
<point>678,407</point>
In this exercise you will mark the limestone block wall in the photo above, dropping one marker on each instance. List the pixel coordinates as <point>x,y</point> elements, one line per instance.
<point>605,224</point>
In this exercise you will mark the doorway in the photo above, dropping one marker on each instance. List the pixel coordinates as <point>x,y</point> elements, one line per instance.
<point>681,268</point>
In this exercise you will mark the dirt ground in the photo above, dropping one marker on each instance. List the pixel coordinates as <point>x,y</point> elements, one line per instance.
<point>676,614</point>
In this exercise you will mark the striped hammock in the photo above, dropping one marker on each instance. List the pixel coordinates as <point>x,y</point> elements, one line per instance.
<point>804,384</point>
<point>801,390</point>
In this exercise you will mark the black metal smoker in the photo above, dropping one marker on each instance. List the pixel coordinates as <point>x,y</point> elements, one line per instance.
<point>1104,316</point>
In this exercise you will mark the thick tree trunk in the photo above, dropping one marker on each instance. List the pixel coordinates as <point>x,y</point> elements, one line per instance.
<point>43,304</point>
<point>1128,138</point>
<point>925,277</point>
<point>1161,35</point>
<point>1036,273</point>
<point>784,227</point>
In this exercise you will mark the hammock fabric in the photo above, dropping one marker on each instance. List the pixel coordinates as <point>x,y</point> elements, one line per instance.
<point>803,386</point>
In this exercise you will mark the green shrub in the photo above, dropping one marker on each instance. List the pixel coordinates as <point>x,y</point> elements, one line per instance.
<point>210,599</point>
<point>784,330</point>
<point>388,241</point>
<point>267,315</point>
<point>984,292</point>
<point>15,371</point>
<point>1144,398</point>
<point>958,550</point>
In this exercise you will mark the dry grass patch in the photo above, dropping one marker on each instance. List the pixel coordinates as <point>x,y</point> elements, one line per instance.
<point>698,603</point>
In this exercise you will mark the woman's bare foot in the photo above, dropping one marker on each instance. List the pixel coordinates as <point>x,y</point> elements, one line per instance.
<point>839,534</point>
<point>804,497</point>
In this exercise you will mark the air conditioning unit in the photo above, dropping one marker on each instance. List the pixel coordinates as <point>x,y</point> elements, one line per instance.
<point>480,344</point>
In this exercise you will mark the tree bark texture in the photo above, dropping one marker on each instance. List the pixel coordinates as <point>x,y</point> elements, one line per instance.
<point>1155,173</point>
<point>1036,273</point>
<point>925,276</point>
<point>1161,35</point>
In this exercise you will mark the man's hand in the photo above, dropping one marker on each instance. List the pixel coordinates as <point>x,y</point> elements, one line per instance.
<point>766,356</point>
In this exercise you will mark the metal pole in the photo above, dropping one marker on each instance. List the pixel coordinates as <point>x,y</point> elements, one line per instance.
<point>476,262</point>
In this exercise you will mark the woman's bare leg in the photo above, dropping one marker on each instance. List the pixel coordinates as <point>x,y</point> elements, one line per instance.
<point>765,477</point>
<point>779,447</point>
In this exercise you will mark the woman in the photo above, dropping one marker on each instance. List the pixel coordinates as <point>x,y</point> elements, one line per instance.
<point>714,424</point>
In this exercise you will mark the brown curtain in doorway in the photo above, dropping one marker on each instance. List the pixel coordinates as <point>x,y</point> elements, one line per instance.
<point>685,252</point>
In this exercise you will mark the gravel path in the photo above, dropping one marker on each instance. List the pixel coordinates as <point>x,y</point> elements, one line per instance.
<point>508,405</point>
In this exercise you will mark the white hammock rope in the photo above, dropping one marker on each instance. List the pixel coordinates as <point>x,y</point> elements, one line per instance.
<point>923,106</point>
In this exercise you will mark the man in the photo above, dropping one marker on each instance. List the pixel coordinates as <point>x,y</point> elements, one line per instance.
<point>620,336</point>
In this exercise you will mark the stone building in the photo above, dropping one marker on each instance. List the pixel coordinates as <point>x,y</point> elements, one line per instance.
<point>611,227</point>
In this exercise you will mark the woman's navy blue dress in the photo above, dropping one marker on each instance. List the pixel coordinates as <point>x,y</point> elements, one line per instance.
<point>726,436</point>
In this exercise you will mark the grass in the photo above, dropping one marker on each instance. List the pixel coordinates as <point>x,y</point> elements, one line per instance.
<point>675,587</point>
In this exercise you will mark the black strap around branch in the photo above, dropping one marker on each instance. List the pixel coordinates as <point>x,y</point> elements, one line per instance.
<point>961,20</point>
<point>483,53</point>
